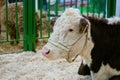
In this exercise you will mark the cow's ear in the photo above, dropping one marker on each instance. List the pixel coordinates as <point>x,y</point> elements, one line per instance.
<point>83,25</point>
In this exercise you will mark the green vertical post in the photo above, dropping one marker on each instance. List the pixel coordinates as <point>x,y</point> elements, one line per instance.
<point>40,8</point>
<point>88,4</point>
<point>64,5</point>
<point>29,25</point>
<point>70,3</point>
<point>111,7</point>
<point>104,11</point>
<point>6,19</point>
<point>93,7</point>
<point>16,24</point>
<point>81,10</point>
<point>56,9</point>
<point>76,2</point>
<point>48,25</point>
<point>49,8</point>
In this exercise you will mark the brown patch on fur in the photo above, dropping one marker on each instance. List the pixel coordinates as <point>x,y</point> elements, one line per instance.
<point>96,19</point>
<point>115,77</point>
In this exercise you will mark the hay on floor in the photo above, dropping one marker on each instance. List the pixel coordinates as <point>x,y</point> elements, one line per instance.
<point>33,66</point>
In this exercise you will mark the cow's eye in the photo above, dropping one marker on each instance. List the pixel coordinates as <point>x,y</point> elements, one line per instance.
<point>70,30</point>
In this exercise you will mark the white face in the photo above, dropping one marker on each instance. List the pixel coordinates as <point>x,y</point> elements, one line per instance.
<point>63,42</point>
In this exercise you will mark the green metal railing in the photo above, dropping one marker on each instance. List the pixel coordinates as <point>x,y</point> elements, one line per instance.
<point>100,8</point>
<point>6,11</point>
<point>6,21</point>
<point>111,8</point>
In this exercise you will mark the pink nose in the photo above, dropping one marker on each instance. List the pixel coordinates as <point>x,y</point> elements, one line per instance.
<point>45,52</point>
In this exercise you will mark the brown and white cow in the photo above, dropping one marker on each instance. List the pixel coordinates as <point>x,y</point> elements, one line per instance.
<point>96,40</point>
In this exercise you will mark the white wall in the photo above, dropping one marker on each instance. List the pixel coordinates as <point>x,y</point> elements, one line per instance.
<point>118,8</point>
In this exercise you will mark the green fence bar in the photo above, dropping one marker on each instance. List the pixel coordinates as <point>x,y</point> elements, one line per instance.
<point>70,3</point>
<point>40,5</point>
<point>16,25</point>
<point>56,8</point>
<point>29,25</point>
<point>76,2</point>
<point>111,8</point>
<point>6,20</point>
<point>81,9</point>
<point>49,17</point>
<point>87,7</point>
<point>64,5</point>
<point>104,11</point>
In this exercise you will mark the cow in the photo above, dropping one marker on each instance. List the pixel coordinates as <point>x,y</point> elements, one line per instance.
<point>94,39</point>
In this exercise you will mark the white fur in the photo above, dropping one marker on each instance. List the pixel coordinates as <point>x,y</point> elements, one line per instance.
<point>113,20</point>
<point>70,19</point>
<point>105,73</point>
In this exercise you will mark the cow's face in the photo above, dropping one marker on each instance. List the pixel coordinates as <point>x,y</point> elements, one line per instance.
<point>68,37</point>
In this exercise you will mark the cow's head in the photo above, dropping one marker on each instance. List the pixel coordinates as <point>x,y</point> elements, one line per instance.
<point>68,37</point>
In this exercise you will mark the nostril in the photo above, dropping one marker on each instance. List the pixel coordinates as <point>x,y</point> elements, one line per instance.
<point>48,52</point>
<point>45,51</point>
